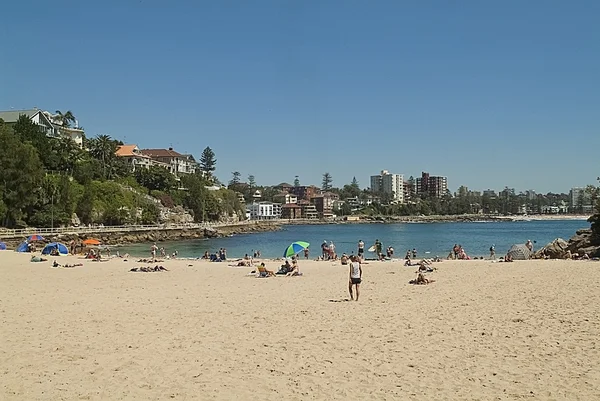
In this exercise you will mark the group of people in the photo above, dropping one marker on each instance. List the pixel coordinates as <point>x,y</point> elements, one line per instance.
<point>458,253</point>
<point>220,256</point>
<point>155,251</point>
<point>328,251</point>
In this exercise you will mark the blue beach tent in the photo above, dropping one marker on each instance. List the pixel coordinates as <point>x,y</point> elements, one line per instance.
<point>62,248</point>
<point>23,247</point>
<point>2,246</point>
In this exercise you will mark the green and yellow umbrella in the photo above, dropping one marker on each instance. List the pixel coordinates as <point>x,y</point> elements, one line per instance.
<point>294,248</point>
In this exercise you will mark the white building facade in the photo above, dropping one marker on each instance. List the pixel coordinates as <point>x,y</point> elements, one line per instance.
<point>392,184</point>
<point>264,211</point>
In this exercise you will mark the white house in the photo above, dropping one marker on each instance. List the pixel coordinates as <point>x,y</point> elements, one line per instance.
<point>51,127</point>
<point>264,210</point>
<point>178,163</point>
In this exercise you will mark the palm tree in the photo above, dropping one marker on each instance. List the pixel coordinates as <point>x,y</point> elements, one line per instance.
<point>103,148</point>
<point>65,119</point>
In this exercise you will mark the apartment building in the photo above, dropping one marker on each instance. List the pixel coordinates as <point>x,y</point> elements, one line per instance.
<point>264,210</point>
<point>580,201</point>
<point>391,184</point>
<point>434,186</point>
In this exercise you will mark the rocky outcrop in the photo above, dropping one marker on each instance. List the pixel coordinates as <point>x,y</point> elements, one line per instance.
<point>132,237</point>
<point>556,249</point>
<point>584,241</point>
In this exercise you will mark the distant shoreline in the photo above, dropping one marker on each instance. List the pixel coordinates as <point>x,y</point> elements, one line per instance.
<point>473,218</point>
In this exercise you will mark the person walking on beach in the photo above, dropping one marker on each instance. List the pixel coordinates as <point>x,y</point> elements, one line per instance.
<point>355,277</point>
<point>153,251</point>
<point>493,252</point>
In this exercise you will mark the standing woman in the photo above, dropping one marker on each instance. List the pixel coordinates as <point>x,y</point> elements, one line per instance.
<point>355,276</point>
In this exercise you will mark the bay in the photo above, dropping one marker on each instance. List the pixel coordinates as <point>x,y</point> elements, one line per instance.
<point>430,239</point>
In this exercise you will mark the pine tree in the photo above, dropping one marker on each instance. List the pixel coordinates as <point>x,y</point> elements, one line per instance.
<point>327,180</point>
<point>208,162</point>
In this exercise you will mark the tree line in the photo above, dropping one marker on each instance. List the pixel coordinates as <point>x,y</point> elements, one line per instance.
<point>45,181</point>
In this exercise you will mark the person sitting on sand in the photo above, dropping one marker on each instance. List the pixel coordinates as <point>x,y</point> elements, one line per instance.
<point>344,259</point>
<point>269,273</point>
<point>285,268</point>
<point>421,280</point>
<point>295,270</point>
<point>206,255</point>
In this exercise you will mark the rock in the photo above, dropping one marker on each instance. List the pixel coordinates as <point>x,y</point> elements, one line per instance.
<point>584,241</point>
<point>557,249</point>
<point>75,222</point>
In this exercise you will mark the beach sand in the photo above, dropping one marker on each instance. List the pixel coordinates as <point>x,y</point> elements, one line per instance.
<point>482,331</point>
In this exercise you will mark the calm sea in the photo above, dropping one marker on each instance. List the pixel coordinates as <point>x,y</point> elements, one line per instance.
<point>429,239</point>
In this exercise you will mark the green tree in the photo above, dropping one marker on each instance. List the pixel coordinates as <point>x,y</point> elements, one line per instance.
<point>22,174</point>
<point>327,181</point>
<point>103,148</point>
<point>28,131</point>
<point>63,155</point>
<point>251,181</point>
<point>155,178</point>
<point>208,162</point>
<point>235,179</point>
<point>296,181</point>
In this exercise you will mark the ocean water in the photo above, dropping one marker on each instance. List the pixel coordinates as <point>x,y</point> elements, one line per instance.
<point>430,239</point>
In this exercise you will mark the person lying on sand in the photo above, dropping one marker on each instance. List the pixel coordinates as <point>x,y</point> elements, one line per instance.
<point>421,280</point>
<point>37,259</point>
<point>423,267</point>
<point>56,264</point>
<point>148,269</point>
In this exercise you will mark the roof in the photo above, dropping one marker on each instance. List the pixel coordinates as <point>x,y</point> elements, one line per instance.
<point>161,153</point>
<point>291,206</point>
<point>13,115</point>
<point>128,150</point>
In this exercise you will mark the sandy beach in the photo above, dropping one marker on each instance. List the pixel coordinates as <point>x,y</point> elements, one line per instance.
<point>206,331</point>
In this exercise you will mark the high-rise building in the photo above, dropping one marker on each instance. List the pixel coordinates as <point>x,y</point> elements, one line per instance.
<point>387,183</point>
<point>434,186</point>
<point>580,201</point>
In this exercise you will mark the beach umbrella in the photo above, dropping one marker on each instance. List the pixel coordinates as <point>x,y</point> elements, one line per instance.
<point>91,241</point>
<point>294,248</point>
<point>35,237</point>
<point>23,247</point>
<point>519,252</point>
<point>61,248</point>
<point>2,246</point>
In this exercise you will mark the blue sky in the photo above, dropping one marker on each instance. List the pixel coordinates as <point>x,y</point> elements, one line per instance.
<point>490,94</point>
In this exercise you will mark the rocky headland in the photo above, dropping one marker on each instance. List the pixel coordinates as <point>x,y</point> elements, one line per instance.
<point>132,236</point>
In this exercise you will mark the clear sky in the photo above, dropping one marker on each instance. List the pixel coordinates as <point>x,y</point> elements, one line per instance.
<point>487,93</point>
